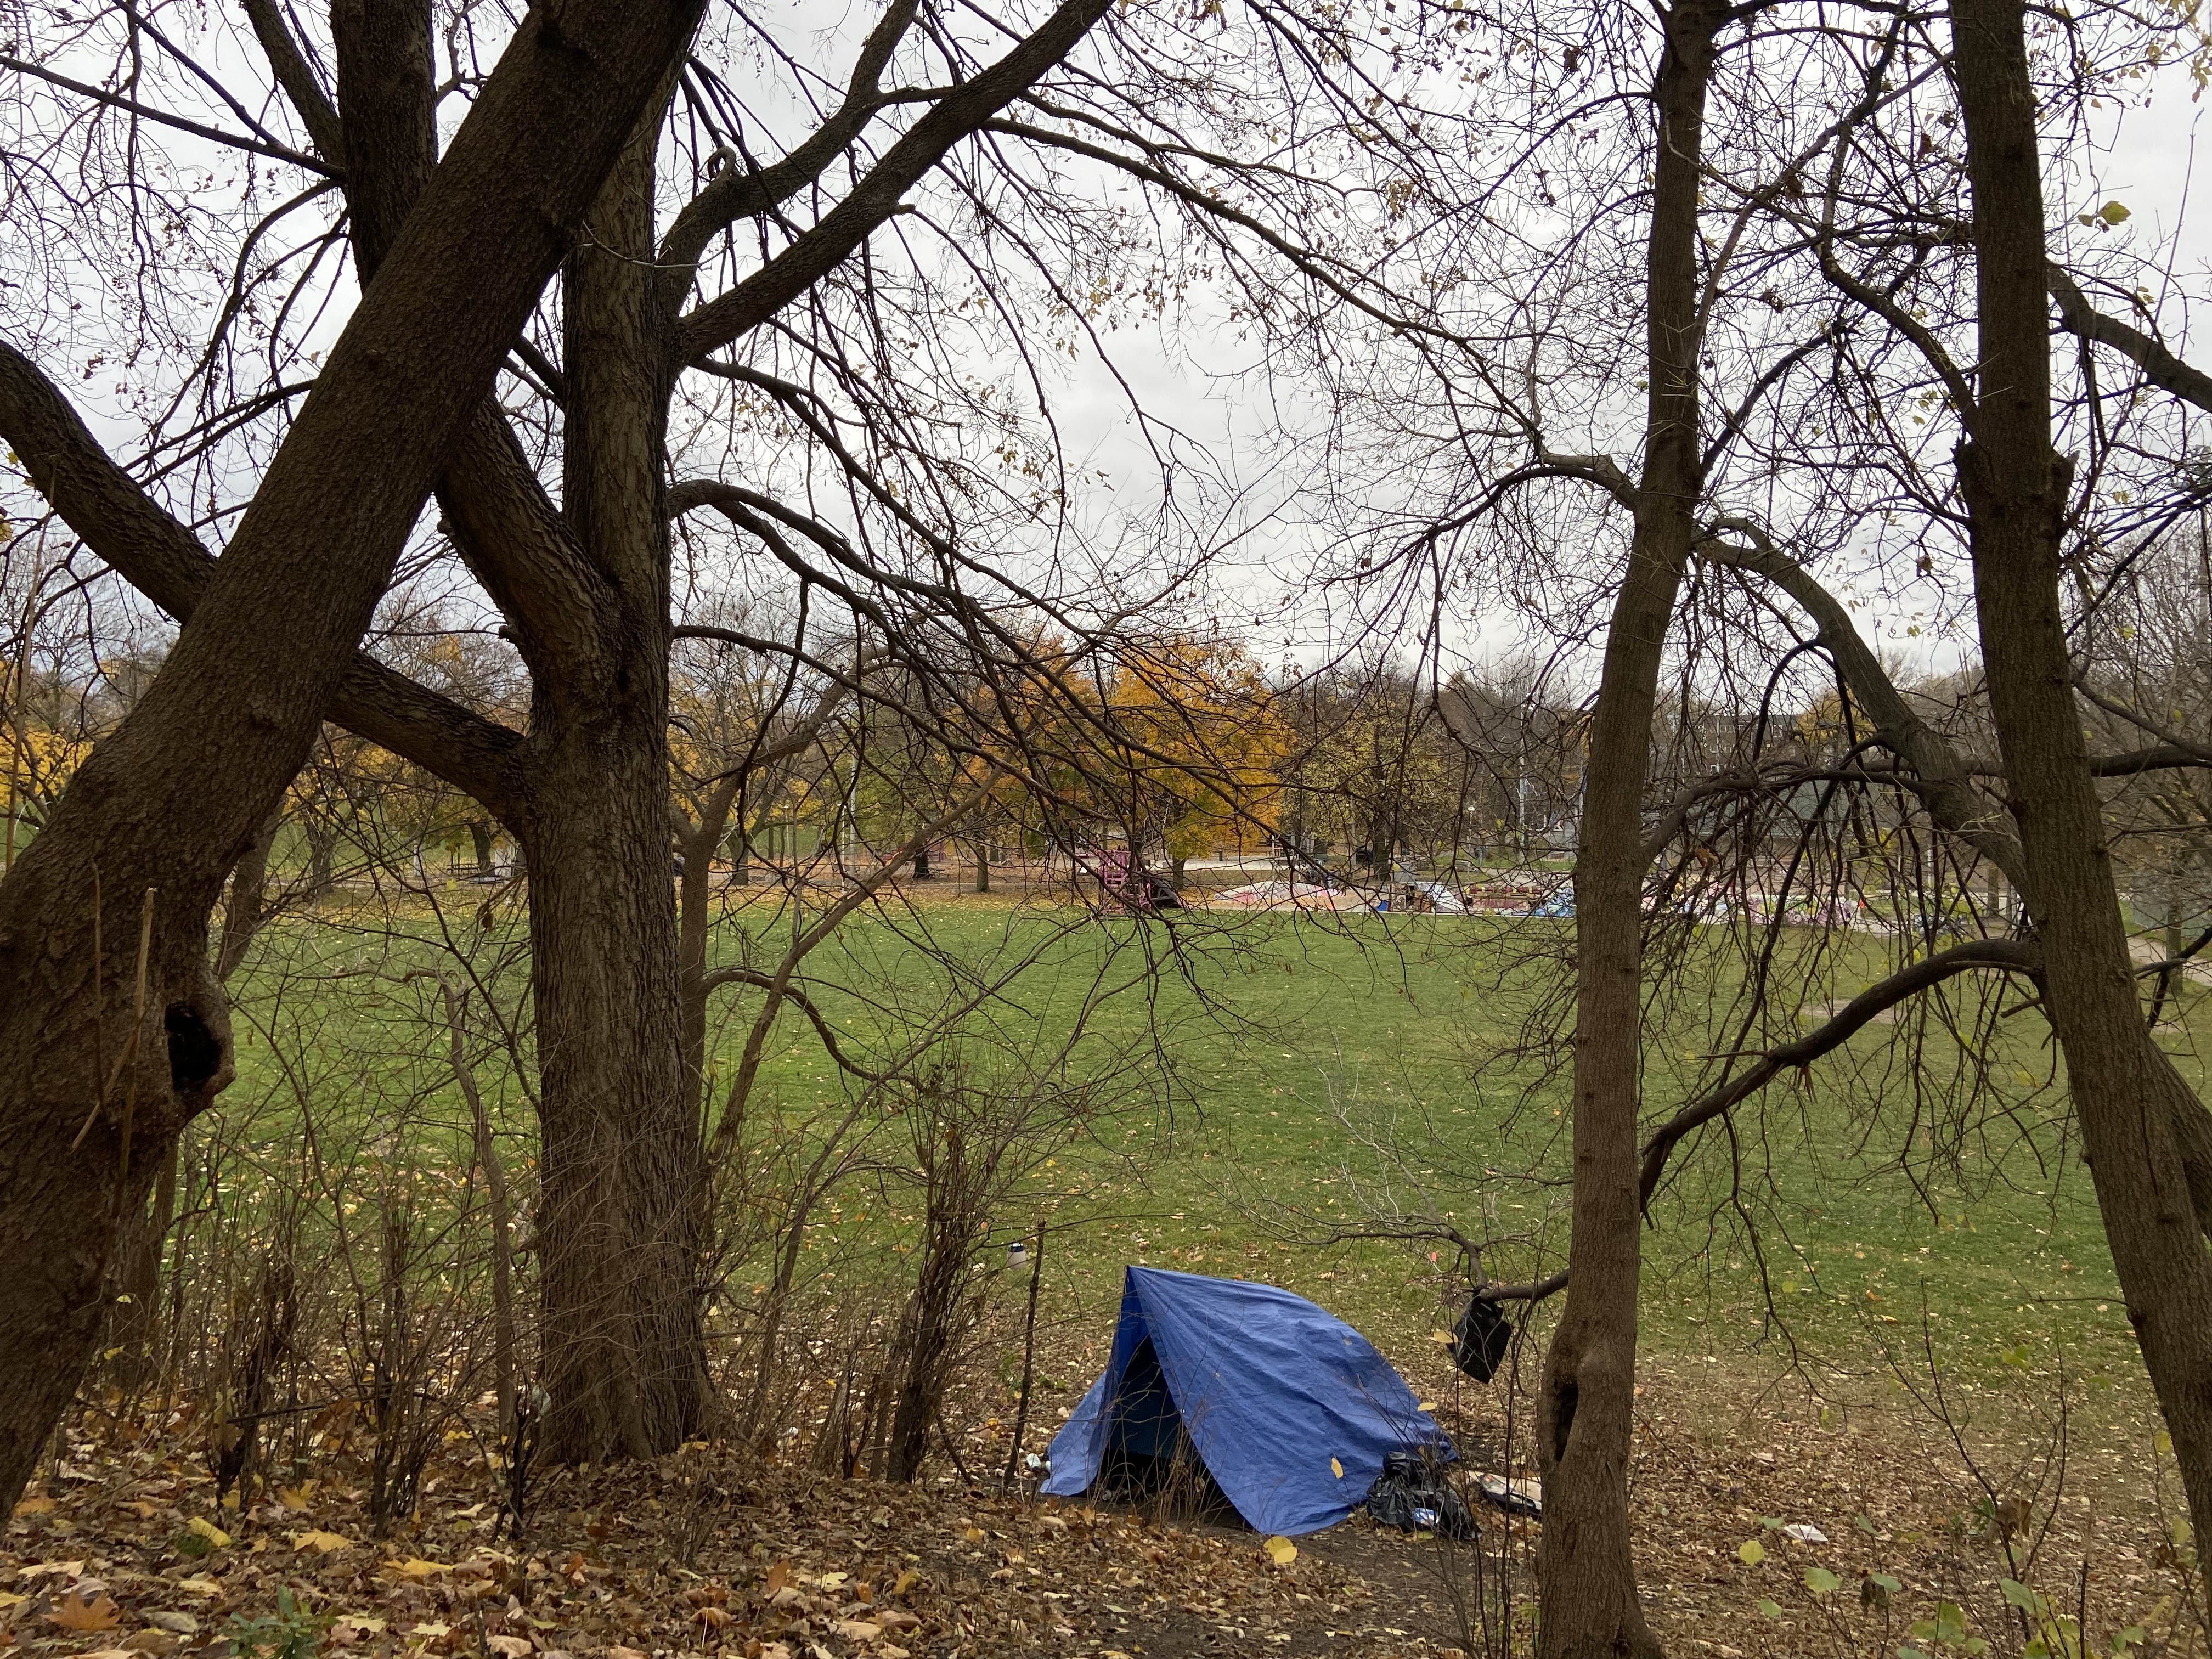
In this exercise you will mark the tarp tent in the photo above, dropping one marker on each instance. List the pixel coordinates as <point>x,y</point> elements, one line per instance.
<point>1272,1396</point>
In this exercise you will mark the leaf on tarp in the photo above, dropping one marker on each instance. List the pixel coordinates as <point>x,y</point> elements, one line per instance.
<point>1336,1468</point>
<point>1280,1550</point>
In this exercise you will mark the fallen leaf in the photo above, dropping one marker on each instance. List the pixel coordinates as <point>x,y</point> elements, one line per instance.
<point>898,1618</point>
<point>430,1630</point>
<point>179,1624</point>
<point>905,1581</point>
<point>509,1647</point>
<point>778,1576</point>
<point>75,1613</point>
<point>367,1624</point>
<point>831,1580</point>
<point>296,1498</point>
<point>9,1598</point>
<point>1281,1550</point>
<point>1336,1468</point>
<point>853,1629</point>
<point>208,1530</point>
<point>323,1543</point>
<point>622,1653</point>
<point>199,1587</point>
<point>152,1641</point>
<point>68,1568</point>
<point>40,1505</point>
<point>416,1567</point>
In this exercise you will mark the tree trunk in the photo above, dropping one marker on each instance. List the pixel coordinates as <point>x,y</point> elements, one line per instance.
<point>1585,1412</point>
<point>982,867</point>
<point>246,906</point>
<point>2126,1094</point>
<point>480,840</point>
<point>619,1227</point>
<point>168,802</point>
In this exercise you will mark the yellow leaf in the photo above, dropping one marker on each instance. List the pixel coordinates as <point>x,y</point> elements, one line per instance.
<point>40,1505</point>
<point>296,1498</point>
<point>905,1581</point>
<point>1336,1468</point>
<point>1281,1550</point>
<point>2163,1443</point>
<point>1751,1552</point>
<point>65,1569</point>
<point>416,1567</point>
<point>323,1543</point>
<point>199,1587</point>
<point>9,1598</point>
<point>367,1624</point>
<point>1427,1406</point>
<point>429,1632</point>
<point>208,1530</point>
<point>1443,1337</point>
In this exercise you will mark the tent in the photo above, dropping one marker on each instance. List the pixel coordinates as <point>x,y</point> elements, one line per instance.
<point>1287,1409</point>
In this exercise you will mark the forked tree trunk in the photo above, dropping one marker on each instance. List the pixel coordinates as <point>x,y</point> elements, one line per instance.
<point>1585,1413</point>
<point>169,800</point>
<point>2126,1095</point>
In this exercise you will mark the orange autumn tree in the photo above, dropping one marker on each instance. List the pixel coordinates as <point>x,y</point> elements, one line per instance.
<point>1201,750</point>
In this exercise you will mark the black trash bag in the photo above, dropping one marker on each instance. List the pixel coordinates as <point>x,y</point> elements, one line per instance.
<point>1412,1495</point>
<point>1480,1339</point>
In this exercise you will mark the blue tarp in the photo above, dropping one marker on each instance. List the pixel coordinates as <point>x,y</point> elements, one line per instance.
<point>1268,1388</point>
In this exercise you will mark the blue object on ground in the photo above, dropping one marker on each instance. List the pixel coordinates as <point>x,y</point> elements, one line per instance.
<point>1275,1395</point>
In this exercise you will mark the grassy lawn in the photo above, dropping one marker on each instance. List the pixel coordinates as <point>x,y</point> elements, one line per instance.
<point>1290,1084</point>
<point>1328,1077</point>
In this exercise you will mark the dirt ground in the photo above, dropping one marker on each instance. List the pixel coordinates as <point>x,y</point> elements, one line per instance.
<point>123,1552</point>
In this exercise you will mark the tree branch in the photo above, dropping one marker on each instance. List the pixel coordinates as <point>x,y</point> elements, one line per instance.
<point>820,250</point>
<point>164,561</point>
<point>2160,366</point>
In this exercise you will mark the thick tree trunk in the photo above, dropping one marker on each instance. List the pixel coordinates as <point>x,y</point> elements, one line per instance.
<point>624,1354</point>
<point>1585,1413</point>
<point>169,800</point>
<point>2126,1094</point>
<point>982,867</point>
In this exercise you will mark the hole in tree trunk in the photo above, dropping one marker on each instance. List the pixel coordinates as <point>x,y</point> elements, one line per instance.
<point>195,1052</point>
<point>1563,1419</point>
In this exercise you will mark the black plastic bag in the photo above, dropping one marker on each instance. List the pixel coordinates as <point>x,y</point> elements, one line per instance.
<point>1412,1495</point>
<point>1480,1339</point>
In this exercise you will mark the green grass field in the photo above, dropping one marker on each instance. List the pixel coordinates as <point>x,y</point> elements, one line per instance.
<point>1282,1085</point>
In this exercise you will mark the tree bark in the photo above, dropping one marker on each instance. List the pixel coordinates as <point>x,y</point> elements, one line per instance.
<point>1585,1412</point>
<point>2015,486</point>
<point>166,803</point>
<point>620,1223</point>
